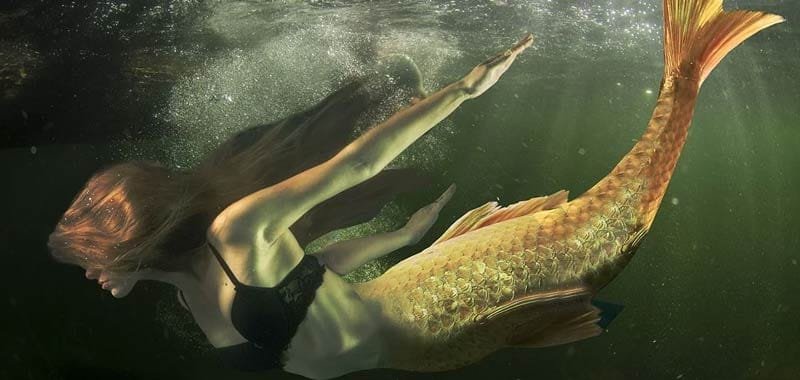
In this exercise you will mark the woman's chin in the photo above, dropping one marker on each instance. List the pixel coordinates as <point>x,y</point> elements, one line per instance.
<point>119,293</point>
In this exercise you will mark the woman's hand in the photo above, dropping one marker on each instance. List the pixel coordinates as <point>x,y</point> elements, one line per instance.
<point>423,219</point>
<point>485,75</point>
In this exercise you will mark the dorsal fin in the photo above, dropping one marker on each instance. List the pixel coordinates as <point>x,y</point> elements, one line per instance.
<point>468,221</point>
<point>491,213</point>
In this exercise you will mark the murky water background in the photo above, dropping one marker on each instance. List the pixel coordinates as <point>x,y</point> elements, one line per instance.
<point>712,293</point>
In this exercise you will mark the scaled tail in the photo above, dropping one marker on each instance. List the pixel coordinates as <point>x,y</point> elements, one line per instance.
<point>698,34</point>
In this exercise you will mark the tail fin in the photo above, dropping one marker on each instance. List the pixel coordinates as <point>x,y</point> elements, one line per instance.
<point>698,34</point>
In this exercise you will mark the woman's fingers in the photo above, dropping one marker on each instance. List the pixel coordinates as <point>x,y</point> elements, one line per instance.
<point>424,218</point>
<point>439,203</point>
<point>510,54</point>
<point>485,75</point>
<point>524,43</point>
<point>446,196</point>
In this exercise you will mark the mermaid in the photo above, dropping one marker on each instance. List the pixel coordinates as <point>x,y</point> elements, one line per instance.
<point>229,234</point>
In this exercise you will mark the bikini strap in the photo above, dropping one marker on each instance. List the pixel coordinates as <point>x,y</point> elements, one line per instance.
<point>183,298</point>
<point>225,266</point>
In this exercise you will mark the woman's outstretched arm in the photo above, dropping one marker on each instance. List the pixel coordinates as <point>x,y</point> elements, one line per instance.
<point>345,256</point>
<point>269,212</point>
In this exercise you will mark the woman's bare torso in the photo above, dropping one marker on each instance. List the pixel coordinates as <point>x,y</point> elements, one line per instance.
<point>339,333</point>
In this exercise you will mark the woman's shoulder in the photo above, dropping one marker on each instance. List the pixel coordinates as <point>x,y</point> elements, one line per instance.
<point>254,260</point>
<point>233,227</point>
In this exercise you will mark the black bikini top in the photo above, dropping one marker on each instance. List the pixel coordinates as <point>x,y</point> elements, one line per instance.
<point>268,317</point>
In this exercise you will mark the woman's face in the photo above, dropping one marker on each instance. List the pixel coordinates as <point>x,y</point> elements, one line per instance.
<point>118,283</point>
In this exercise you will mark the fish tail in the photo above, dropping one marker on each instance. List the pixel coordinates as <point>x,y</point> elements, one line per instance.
<point>698,34</point>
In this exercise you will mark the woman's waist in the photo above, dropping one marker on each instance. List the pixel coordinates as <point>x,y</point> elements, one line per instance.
<point>340,334</point>
<point>338,320</point>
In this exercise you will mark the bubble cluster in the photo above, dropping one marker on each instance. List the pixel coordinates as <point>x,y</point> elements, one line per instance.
<point>280,57</point>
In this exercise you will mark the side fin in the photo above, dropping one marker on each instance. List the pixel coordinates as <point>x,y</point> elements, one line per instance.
<point>608,312</point>
<point>567,325</point>
<point>698,34</point>
<point>533,300</point>
<point>491,213</point>
<point>546,318</point>
<point>551,318</point>
<point>570,326</point>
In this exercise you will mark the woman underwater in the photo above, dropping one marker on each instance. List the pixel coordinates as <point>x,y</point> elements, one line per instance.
<point>523,275</point>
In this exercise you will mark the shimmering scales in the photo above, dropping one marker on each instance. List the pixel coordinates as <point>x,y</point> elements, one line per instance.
<point>457,280</point>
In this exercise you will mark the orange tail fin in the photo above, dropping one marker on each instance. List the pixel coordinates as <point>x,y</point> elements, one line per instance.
<point>698,34</point>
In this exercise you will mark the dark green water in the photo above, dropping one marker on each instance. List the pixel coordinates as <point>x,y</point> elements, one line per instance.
<point>712,293</point>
